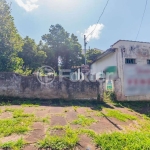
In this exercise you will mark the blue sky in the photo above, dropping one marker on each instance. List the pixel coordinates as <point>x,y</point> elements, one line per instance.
<point>121,19</point>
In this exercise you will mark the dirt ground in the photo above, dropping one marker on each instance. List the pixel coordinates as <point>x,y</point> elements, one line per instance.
<point>66,115</point>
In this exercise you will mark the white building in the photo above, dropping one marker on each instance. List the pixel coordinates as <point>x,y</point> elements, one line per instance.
<point>132,60</point>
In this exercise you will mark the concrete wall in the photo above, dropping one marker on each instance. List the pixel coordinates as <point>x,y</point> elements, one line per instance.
<point>129,49</point>
<point>15,85</point>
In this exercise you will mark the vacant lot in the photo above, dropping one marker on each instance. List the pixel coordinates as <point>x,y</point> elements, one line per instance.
<point>65,125</point>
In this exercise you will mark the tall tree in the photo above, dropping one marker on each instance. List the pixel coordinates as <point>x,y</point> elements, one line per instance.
<point>10,40</point>
<point>61,45</point>
<point>72,54</point>
<point>32,55</point>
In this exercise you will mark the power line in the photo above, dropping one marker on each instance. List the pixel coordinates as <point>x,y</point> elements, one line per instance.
<point>98,19</point>
<point>141,20</point>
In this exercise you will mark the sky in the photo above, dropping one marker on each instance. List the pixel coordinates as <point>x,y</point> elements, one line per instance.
<point>120,21</point>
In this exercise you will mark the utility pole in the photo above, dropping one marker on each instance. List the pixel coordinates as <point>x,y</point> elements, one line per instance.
<point>85,43</point>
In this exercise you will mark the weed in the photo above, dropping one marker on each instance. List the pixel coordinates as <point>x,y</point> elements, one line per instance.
<point>84,121</point>
<point>66,110</point>
<point>58,127</point>
<point>16,145</point>
<point>30,105</point>
<point>9,110</point>
<point>5,103</point>
<point>124,141</point>
<point>69,141</point>
<point>119,115</point>
<point>19,113</point>
<point>46,120</point>
<point>89,132</point>
<point>75,108</point>
<point>20,123</point>
<point>99,114</point>
<point>1,111</point>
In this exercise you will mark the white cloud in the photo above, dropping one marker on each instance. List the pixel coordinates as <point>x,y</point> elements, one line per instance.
<point>95,29</point>
<point>28,5</point>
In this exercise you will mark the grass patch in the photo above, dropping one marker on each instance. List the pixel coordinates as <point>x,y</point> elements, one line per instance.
<point>1,111</point>
<point>20,113</point>
<point>68,141</point>
<point>119,115</point>
<point>58,127</point>
<point>5,103</point>
<point>99,114</point>
<point>84,121</point>
<point>10,109</point>
<point>88,132</point>
<point>16,145</point>
<point>44,120</point>
<point>75,108</point>
<point>124,141</point>
<point>30,105</point>
<point>19,124</point>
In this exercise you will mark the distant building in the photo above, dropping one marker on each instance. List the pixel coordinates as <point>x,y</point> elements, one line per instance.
<point>125,68</point>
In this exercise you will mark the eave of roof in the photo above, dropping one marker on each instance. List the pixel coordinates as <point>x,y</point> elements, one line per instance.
<point>129,41</point>
<point>105,53</point>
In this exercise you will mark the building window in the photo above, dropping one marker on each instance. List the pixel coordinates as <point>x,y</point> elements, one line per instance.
<point>130,61</point>
<point>148,61</point>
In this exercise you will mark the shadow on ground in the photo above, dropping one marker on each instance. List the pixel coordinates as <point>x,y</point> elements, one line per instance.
<point>142,107</point>
<point>93,104</point>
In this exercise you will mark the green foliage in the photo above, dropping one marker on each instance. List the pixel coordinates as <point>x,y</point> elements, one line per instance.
<point>59,44</point>
<point>16,145</point>
<point>124,141</point>
<point>46,120</point>
<point>88,132</point>
<point>92,54</point>
<point>119,115</point>
<point>99,114</point>
<point>10,40</point>
<point>84,121</point>
<point>68,141</point>
<point>30,105</point>
<point>32,55</point>
<point>19,113</point>
<point>20,123</point>
<point>109,96</point>
<point>75,108</point>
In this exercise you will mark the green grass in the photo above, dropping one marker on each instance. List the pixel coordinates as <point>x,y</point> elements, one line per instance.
<point>20,113</point>
<point>5,103</point>
<point>119,115</point>
<point>88,132</point>
<point>68,141</point>
<point>75,108</point>
<point>1,111</point>
<point>124,141</point>
<point>58,127</point>
<point>84,121</point>
<point>19,124</point>
<point>44,119</point>
<point>9,109</point>
<point>16,145</point>
<point>99,114</point>
<point>30,105</point>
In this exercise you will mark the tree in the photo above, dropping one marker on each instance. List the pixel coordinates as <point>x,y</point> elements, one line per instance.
<point>32,55</point>
<point>72,53</point>
<point>10,40</point>
<point>60,44</point>
<point>92,54</point>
